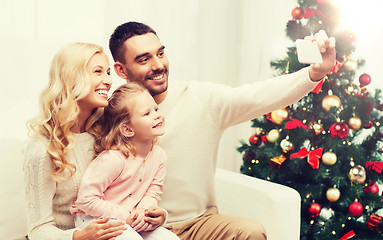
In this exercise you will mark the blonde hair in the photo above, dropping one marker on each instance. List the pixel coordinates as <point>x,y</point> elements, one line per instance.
<point>68,83</point>
<point>116,114</point>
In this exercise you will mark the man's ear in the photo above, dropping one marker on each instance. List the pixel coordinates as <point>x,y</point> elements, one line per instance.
<point>126,130</point>
<point>119,69</point>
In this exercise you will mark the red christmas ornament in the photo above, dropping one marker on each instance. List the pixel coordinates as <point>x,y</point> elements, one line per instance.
<point>255,139</point>
<point>339,129</point>
<point>297,13</point>
<point>355,209</point>
<point>264,138</point>
<point>364,79</point>
<point>314,209</point>
<point>372,188</point>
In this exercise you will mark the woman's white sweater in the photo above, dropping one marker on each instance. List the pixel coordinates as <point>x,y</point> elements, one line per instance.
<point>48,202</point>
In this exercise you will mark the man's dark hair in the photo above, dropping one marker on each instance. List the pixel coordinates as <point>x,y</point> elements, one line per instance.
<point>124,32</point>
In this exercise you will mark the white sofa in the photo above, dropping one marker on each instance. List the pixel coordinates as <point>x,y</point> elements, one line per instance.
<point>276,206</point>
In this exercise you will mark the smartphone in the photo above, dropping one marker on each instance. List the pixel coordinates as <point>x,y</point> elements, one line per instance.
<point>308,52</point>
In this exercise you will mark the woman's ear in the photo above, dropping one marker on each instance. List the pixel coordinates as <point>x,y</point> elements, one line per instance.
<point>126,130</point>
<point>120,71</point>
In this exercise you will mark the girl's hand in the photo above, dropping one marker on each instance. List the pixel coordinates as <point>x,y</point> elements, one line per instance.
<point>101,229</point>
<point>155,216</point>
<point>138,221</point>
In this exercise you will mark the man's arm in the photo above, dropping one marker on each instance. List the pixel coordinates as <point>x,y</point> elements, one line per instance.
<point>230,106</point>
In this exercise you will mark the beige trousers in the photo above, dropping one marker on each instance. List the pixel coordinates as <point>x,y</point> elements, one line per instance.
<point>214,226</point>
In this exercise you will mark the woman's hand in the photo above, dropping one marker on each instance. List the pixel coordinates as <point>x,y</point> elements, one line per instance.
<point>155,216</point>
<point>101,229</point>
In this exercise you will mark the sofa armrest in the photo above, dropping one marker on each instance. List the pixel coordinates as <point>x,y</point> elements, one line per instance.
<point>276,206</point>
<point>13,223</point>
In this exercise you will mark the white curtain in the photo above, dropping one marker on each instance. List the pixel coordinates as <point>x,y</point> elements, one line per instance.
<point>225,41</point>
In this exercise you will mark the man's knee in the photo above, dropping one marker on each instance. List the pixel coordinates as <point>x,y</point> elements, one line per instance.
<point>248,229</point>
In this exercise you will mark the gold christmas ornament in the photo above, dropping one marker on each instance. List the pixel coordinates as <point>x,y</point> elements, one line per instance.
<point>273,135</point>
<point>331,101</point>
<point>329,158</point>
<point>355,123</point>
<point>280,115</point>
<point>333,194</point>
<point>350,65</point>
<point>357,174</point>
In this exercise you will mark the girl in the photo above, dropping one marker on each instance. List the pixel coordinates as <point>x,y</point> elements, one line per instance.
<point>61,150</point>
<point>126,178</point>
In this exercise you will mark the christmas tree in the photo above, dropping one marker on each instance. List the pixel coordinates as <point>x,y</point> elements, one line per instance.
<point>328,145</point>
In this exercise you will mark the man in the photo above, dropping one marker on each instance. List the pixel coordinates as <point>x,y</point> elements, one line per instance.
<point>197,114</point>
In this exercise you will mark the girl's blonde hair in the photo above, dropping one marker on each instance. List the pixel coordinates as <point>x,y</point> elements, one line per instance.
<point>68,83</point>
<point>116,114</point>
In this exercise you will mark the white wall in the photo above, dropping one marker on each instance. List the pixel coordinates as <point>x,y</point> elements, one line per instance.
<point>227,41</point>
<point>31,33</point>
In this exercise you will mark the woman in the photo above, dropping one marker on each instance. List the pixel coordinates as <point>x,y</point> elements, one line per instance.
<point>61,148</point>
